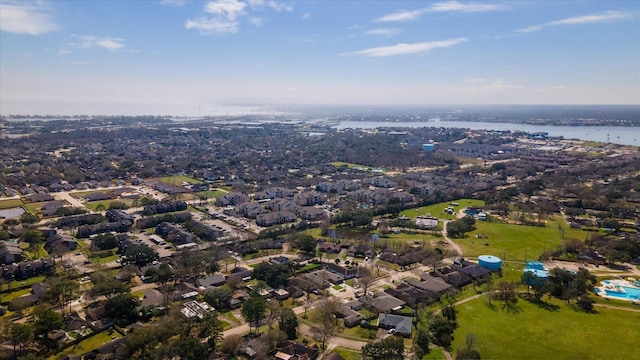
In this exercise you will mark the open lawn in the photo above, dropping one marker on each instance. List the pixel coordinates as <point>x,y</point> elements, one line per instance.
<point>437,210</point>
<point>555,332</point>
<point>89,344</point>
<point>34,208</point>
<point>434,354</point>
<point>5,298</point>
<point>210,194</point>
<point>104,204</point>
<point>349,165</point>
<point>10,203</point>
<point>81,194</point>
<point>518,241</point>
<point>25,282</point>
<point>178,180</point>
<point>347,354</point>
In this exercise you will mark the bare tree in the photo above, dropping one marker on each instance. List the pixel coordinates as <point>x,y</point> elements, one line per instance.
<point>327,323</point>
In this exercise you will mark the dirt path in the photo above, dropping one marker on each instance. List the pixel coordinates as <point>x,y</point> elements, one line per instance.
<point>448,240</point>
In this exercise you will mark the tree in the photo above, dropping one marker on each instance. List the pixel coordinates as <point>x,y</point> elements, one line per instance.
<point>62,293</point>
<point>442,331</point>
<point>421,341</point>
<point>507,292</point>
<point>365,277</point>
<point>390,348</point>
<point>450,313</point>
<point>308,245</point>
<point>18,334</point>
<point>231,344</point>
<point>273,338</point>
<point>186,347</point>
<point>141,255</point>
<point>585,302</point>
<point>326,322</point>
<point>274,313</point>
<point>108,288</point>
<point>122,307</point>
<point>105,241</point>
<point>34,238</point>
<point>275,275</point>
<point>212,327</point>
<point>28,219</point>
<point>467,354</point>
<point>218,297</point>
<point>254,311</point>
<point>45,320</point>
<point>288,323</point>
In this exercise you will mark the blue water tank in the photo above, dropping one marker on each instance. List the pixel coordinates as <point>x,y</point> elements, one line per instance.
<point>490,262</point>
<point>428,147</point>
<point>541,275</point>
<point>537,265</point>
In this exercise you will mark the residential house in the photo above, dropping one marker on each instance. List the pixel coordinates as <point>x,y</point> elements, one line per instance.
<point>311,213</point>
<point>383,302</point>
<point>275,218</point>
<point>402,324</point>
<point>97,196</point>
<point>345,272</point>
<point>210,282</point>
<point>10,253</point>
<point>233,198</point>
<point>34,198</point>
<point>293,350</point>
<point>329,248</point>
<point>281,205</point>
<point>50,208</point>
<point>250,210</point>
<point>309,198</point>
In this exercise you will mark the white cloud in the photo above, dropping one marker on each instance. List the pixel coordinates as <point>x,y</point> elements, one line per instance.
<point>26,19</point>
<point>306,15</point>
<point>224,16</point>
<point>64,52</point>
<point>256,21</point>
<point>108,43</point>
<point>488,86</point>
<point>229,9</point>
<point>403,48</point>
<point>275,5</point>
<point>173,2</point>
<point>382,32</point>
<point>400,16</point>
<point>212,25</point>
<point>448,6</point>
<point>585,19</point>
<point>452,6</point>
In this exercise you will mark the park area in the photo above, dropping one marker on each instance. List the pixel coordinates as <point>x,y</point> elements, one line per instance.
<point>515,242</point>
<point>554,331</point>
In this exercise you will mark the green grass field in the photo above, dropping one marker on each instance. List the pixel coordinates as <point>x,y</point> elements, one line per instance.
<point>347,354</point>
<point>178,180</point>
<point>89,344</point>
<point>532,332</point>
<point>94,205</point>
<point>518,241</point>
<point>81,194</point>
<point>210,194</point>
<point>349,165</point>
<point>10,203</point>
<point>437,210</point>
<point>14,294</point>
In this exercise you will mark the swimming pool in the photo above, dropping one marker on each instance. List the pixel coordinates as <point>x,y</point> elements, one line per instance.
<point>623,290</point>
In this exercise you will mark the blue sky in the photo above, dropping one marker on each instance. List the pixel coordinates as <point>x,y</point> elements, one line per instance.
<point>186,57</point>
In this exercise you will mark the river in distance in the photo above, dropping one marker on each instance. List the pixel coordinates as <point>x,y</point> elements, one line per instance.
<point>611,134</point>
